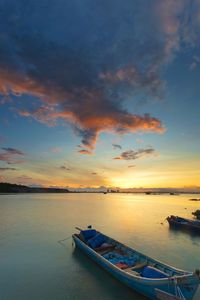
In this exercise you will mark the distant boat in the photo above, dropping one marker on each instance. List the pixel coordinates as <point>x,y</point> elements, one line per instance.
<point>178,222</point>
<point>143,274</point>
<point>194,199</point>
<point>196,214</point>
<point>174,194</point>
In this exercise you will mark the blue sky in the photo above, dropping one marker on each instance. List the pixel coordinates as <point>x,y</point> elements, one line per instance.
<point>77,77</point>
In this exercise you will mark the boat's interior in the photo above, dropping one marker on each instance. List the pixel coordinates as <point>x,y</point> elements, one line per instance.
<point>125,258</point>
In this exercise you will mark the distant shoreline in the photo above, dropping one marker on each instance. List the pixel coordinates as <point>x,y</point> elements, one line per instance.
<point>8,188</point>
<point>70,192</point>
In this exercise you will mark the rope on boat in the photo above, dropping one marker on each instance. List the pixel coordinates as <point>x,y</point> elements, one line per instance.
<point>161,223</point>
<point>69,237</point>
<point>61,241</point>
<point>178,291</point>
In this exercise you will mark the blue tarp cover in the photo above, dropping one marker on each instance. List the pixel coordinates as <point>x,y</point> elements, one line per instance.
<point>97,241</point>
<point>88,234</point>
<point>150,272</point>
<point>114,258</point>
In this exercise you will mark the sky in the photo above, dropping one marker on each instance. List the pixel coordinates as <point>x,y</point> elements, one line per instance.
<point>100,93</point>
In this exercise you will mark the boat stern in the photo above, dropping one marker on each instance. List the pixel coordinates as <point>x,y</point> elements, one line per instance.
<point>189,285</point>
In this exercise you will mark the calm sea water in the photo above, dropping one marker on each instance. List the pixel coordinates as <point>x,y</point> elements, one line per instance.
<point>34,266</point>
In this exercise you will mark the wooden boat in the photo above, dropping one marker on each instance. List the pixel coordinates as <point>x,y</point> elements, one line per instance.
<point>143,274</point>
<point>178,222</point>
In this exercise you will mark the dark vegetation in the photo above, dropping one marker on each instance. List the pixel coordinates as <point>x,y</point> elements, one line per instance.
<point>16,188</point>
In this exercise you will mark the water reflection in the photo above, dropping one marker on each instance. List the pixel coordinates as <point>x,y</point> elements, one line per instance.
<point>175,232</point>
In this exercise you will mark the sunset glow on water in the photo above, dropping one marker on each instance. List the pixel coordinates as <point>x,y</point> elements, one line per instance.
<point>35,266</point>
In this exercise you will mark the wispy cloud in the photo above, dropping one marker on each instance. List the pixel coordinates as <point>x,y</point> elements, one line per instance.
<point>13,151</point>
<point>64,168</point>
<point>24,177</point>
<point>131,166</point>
<point>132,155</point>
<point>11,155</point>
<point>7,169</point>
<point>84,151</point>
<point>116,146</point>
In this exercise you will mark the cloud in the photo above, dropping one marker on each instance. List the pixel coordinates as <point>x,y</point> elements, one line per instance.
<point>41,114</point>
<point>65,168</point>
<point>7,169</point>
<point>82,59</point>
<point>116,146</point>
<point>2,179</point>
<point>131,166</point>
<point>94,173</point>
<point>13,151</point>
<point>10,155</point>
<point>132,155</point>
<point>24,177</point>
<point>84,151</point>
<point>130,78</point>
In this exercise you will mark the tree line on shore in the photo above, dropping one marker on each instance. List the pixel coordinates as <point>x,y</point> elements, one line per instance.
<point>17,188</point>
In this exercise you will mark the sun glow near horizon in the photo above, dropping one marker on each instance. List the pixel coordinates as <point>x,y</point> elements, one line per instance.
<point>136,179</point>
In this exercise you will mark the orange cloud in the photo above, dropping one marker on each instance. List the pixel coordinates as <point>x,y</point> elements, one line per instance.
<point>84,80</point>
<point>88,110</point>
<point>92,118</point>
<point>84,151</point>
<point>2,179</point>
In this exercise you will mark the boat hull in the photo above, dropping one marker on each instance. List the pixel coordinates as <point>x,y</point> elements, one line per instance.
<point>144,286</point>
<point>185,226</point>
